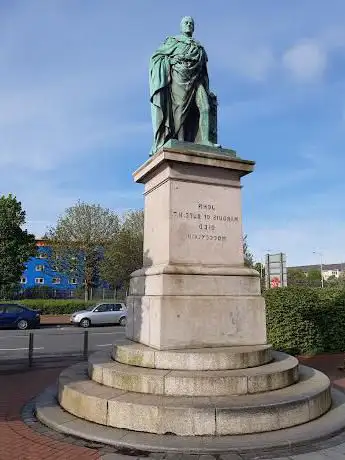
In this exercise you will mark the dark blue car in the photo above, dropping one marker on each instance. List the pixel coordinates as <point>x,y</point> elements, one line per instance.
<point>18,316</point>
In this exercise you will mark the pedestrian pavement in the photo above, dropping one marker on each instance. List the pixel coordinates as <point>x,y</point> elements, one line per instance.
<point>53,320</point>
<point>18,441</point>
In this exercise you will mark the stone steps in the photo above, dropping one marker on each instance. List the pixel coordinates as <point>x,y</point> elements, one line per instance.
<point>203,359</point>
<point>281,372</point>
<point>190,416</point>
<point>321,433</point>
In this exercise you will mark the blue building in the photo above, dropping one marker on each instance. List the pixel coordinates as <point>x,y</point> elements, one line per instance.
<point>39,273</point>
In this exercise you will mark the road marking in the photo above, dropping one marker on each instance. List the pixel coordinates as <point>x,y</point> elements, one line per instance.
<point>107,333</point>
<point>15,337</point>
<point>105,345</point>
<point>20,349</point>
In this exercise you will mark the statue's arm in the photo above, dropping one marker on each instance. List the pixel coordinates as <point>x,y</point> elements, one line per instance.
<point>160,66</point>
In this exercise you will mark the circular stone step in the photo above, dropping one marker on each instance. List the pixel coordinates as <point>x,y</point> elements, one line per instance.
<point>318,434</point>
<point>221,358</point>
<point>191,416</point>
<point>281,372</point>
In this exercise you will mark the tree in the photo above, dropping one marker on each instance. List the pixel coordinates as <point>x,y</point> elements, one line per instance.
<point>16,244</point>
<point>259,267</point>
<point>124,254</point>
<point>79,239</point>
<point>336,282</point>
<point>296,277</point>
<point>332,281</point>
<point>248,256</point>
<point>314,277</point>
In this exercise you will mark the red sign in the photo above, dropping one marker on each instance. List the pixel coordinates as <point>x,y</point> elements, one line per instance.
<point>275,282</point>
<point>41,243</point>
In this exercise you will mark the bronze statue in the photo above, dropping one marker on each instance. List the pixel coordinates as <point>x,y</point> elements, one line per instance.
<point>182,105</point>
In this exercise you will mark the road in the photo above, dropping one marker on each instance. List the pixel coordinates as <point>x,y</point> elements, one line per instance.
<point>57,341</point>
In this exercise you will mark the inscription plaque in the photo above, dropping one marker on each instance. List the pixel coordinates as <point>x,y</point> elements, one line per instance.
<point>205,224</point>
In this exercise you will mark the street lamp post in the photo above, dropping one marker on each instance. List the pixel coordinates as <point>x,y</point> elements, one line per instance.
<point>321,265</point>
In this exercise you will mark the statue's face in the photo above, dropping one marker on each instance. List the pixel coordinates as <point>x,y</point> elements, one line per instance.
<point>187,25</point>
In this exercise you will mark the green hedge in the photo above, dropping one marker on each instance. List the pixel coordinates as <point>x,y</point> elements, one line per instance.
<point>306,321</point>
<point>56,307</point>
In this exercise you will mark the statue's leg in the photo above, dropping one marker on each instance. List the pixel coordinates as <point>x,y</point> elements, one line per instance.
<point>202,103</point>
<point>180,132</point>
<point>178,109</point>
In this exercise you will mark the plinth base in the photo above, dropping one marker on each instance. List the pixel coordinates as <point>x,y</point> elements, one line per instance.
<point>177,307</point>
<point>322,433</point>
<point>265,398</point>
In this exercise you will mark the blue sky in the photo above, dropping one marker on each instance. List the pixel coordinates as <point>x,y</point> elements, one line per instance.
<point>75,117</point>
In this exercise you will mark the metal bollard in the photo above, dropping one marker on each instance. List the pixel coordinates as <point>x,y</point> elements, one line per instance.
<point>31,348</point>
<point>86,345</point>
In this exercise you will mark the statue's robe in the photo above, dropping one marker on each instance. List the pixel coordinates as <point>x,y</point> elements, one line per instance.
<point>173,88</point>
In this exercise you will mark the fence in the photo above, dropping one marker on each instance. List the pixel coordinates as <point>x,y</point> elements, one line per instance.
<point>40,347</point>
<point>47,292</point>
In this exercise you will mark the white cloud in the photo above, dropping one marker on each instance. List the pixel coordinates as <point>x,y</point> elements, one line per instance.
<point>305,61</point>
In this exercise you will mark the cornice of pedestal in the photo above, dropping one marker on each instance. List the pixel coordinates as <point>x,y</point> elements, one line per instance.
<point>194,155</point>
<point>195,269</point>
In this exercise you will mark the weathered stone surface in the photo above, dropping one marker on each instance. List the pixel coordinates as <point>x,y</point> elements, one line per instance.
<point>244,420</point>
<point>139,413</point>
<point>135,354</point>
<point>85,400</point>
<point>321,429</point>
<point>220,358</point>
<point>190,284</point>
<point>96,364</point>
<point>298,411</point>
<point>317,405</point>
<point>205,383</point>
<point>198,415</point>
<point>77,372</point>
<point>279,373</point>
<point>130,378</point>
<point>175,322</point>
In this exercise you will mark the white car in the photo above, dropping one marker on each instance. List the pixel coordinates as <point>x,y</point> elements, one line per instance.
<point>102,313</point>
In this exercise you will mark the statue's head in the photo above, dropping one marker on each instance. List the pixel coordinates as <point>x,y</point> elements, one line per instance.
<point>187,25</point>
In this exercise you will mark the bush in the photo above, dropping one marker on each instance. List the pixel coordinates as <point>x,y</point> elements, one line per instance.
<point>56,307</point>
<point>306,320</point>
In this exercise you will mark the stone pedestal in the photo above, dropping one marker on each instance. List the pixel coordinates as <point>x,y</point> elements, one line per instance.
<point>193,290</point>
<point>202,366</point>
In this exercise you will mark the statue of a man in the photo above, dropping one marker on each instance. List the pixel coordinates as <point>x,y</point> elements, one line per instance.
<point>179,90</point>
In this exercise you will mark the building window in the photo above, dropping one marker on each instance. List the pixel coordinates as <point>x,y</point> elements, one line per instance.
<point>39,280</point>
<point>334,273</point>
<point>43,255</point>
<point>39,268</point>
<point>23,280</point>
<point>56,280</point>
<point>73,281</point>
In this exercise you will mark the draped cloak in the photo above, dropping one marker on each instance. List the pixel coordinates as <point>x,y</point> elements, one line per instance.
<point>173,87</point>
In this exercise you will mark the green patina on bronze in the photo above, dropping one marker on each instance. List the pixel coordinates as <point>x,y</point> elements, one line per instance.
<point>182,105</point>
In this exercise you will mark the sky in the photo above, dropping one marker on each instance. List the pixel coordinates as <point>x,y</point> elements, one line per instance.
<point>75,113</point>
